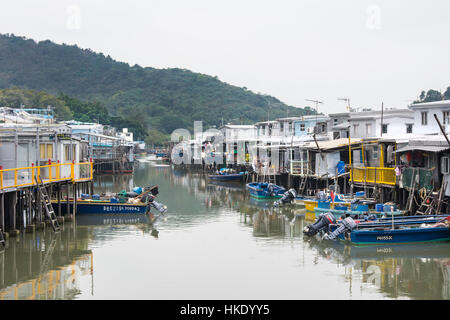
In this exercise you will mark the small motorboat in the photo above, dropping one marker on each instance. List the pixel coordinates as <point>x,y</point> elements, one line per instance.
<point>137,201</point>
<point>264,190</point>
<point>339,211</point>
<point>226,174</point>
<point>392,230</point>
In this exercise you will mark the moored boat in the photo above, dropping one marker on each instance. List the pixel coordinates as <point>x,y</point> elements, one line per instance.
<point>397,231</point>
<point>121,203</point>
<point>265,190</point>
<point>227,175</point>
<point>344,212</point>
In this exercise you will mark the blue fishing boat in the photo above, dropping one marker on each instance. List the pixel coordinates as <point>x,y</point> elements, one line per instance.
<point>265,190</point>
<point>340,211</point>
<point>356,207</point>
<point>400,231</point>
<point>138,202</point>
<point>103,207</point>
<point>228,176</point>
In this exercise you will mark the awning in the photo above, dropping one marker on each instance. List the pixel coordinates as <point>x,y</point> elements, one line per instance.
<point>423,148</point>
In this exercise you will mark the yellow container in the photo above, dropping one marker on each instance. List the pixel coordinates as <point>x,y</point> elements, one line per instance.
<point>310,205</point>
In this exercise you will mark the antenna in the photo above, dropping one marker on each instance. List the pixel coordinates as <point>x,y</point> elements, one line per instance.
<point>317,102</point>
<point>348,102</point>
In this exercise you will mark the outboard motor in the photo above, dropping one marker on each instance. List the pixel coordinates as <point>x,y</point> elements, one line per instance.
<point>354,203</point>
<point>322,195</point>
<point>287,197</point>
<point>346,226</point>
<point>270,188</point>
<point>158,206</point>
<point>321,224</point>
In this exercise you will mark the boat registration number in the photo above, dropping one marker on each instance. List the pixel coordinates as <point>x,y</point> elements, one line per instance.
<point>120,208</point>
<point>384,238</point>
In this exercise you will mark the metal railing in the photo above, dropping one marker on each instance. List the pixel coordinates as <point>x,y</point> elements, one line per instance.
<point>22,177</point>
<point>375,175</point>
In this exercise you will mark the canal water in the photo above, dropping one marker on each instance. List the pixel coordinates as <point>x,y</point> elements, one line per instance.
<point>214,243</point>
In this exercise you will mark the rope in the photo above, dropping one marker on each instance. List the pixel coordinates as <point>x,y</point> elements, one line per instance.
<point>423,193</point>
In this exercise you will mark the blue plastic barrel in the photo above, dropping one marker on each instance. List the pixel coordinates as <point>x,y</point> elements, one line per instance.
<point>379,207</point>
<point>114,200</point>
<point>95,197</point>
<point>360,194</point>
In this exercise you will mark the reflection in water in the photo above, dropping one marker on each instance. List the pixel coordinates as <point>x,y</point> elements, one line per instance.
<point>419,271</point>
<point>45,265</point>
<point>211,229</point>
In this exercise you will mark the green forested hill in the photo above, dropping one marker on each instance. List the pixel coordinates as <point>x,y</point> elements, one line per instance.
<point>155,99</point>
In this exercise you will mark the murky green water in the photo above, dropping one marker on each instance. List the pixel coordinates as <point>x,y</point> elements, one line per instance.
<point>215,243</point>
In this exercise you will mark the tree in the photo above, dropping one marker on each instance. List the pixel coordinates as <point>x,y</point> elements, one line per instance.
<point>156,138</point>
<point>447,94</point>
<point>432,95</point>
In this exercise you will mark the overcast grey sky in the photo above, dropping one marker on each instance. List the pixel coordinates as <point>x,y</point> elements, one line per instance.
<point>369,51</point>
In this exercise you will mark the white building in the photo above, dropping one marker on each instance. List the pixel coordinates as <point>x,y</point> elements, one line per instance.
<point>238,132</point>
<point>424,121</point>
<point>392,123</point>
<point>125,135</point>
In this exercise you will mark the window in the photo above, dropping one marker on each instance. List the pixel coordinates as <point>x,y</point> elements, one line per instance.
<point>302,127</point>
<point>368,128</point>
<point>409,128</point>
<point>355,128</point>
<point>446,115</point>
<point>445,165</point>
<point>424,118</point>
<point>385,128</point>
<point>281,127</point>
<point>290,126</point>
<point>335,121</point>
<point>375,153</point>
<point>46,151</point>
<point>67,155</point>
<point>323,128</point>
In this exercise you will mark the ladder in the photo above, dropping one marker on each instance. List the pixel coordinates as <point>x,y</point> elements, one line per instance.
<point>48,254</point>
<point>2,238</point>
<point>302,185</point>
<point>50,213</point>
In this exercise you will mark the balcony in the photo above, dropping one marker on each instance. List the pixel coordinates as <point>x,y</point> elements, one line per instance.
<point>374,175</point>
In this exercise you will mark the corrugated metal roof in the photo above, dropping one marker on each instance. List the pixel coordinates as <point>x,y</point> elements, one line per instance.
<point>331,144</point>
<point>423,148</point>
